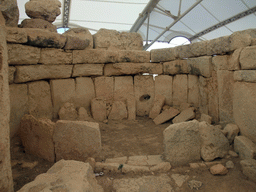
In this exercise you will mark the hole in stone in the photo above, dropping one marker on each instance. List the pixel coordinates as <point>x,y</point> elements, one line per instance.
<point>145,97</point>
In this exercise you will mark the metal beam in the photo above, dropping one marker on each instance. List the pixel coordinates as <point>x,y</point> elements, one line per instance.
<point>143,15</point>
<point>66,10</point>
<point>223,23</point>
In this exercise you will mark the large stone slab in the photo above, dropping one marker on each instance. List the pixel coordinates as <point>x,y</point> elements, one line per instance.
<point>244,107</point>
<point>53,56</point>
<point>38,72</point>
<point>39,24</point>
<point>193,90</point>
<point>183,140</point>
<point>83,70</point>
<point>65,176</point>
<point>180,89</point>
<point>218,46</point>
<point>19,105</point>
<point>62,91</point>
<point>245,75</point>
<point>245,147</point>
<point>166,115</point>
<point>176,67</point>
<point>22,54</point>
<point>118,111</point>
<point>16,35</point>
<point>144,88</point>
<point>75,43</point>
<point>11,72</point>
<point>36,136</point>
<point>248,58</point>
<point>39,100</point>
<point>133,56</point>
<point>157,106</point>
<point>242,39</point>
<point>233,60</point>
<point>99,109</point>
<point>220,62</point>
<point>104,87</point>
<point>185,115</point>
<point>76,140</point>
<point>184,51</point>
<point>203,92</point>
<point>161,55</point>
<point>200,66</point>
<point>249,168</point>
<point>163,86</point>
<point>199,48</point>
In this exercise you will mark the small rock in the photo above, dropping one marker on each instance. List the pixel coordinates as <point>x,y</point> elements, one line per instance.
<point>249,168</point>
<point>232,131</point>
<point>230,165</point>
<point>218,169</point>
<point>179,179</point>
<point>206,118</point>
<point>29,165</point>
<point>193,184</point>
<point>83,115</point>
<point>165,107</point>
<point>68,112</point>
<point>218,127</point>
<point>92,162</point>
<point>105,121</point>
<point>232,153</point>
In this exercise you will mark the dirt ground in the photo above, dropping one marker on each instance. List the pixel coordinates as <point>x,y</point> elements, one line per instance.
<point>129,138</point>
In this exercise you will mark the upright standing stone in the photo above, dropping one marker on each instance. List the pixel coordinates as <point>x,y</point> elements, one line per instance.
<point>193,90</point>
<point>99,109</point>
<point>163,86</point>
<point>213,97</point>
<point>157,106</point>
<point>104,87</point>
<point>203,99</point>
<point>180,89</point>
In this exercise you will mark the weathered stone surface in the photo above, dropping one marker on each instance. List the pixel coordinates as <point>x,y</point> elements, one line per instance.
<point>10,12</point>
<point>166,115</point>
<point>63,91</point>
<point>199,48</point>
<point>225,91</point>
<point>83,115</point>
<point>161,167</point>
<point>132,68</point>
<point>249,168</point>
<point>176,67</point>
<point>218,169</point>
<point>81,70</point>
<point>99,109</point>
<point>45,38</point>
<point>104,87</point>
<point>118,111</point>
<point>163,86</point>
<point>180,89</point>
<point>193,90</point>
<point>184,51</point>
<point>137,160</point>
<point>245,75</point>
<point>203,95</point>
<point>159,101</point>
<point>233,60</point>
<point>118,160</point>
<point>81,33</point>
<point>200,66</point>
<point>206,118</point>
<point>68,112</point>
<point>242,39</point>
<point>16,35</point>
<point>161,55</point>
<point>185,115</point>
<point>245,147</point>
<point>76,140</point>
<point>75,43</point>
<point>2,19</point>
<point>244,107</point>
<point>36,136</point>
<point>230,165</point>
<point>19,105</point>
<point>22,54</point>
<point>248,58</point>
<point>11,72</point>
<point>47,10</point>
<point>85,92</point>
<point>38,72</point>
<point>221,62</point>
<point>39,24</point>
<point>214,143</point>
<point>219,45</point>
<point>232,131</point>
<point>39,100</point>
<point>114,40</point>
<point>144,88</point>
<point>184,106</point>
<point>65,176</point>
<point>51,56</point>
<point>133,56</point>
<point>183,140</point>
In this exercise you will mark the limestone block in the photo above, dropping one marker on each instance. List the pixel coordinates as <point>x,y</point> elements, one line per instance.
<point>104,87</point>
<point>81,33</point>
<point>75,43</point>
<point>206,118</point>
<point>133,56</point>
<point>16,35</point>
<point>39,24</point>
<point>214,143</point>
<point>83,115</point>
<point>185,115</point>
<point>249,168</point>
<point>62,91</point>
<point>47,10</point>
<point>183,140</point>
<point>81,70</point>
<point>161,55</point>
<point>166,115</point>
<point>184,106</point>
<point>219,45</point>
<point>53,56</point>
<point>180,89</point>
<point>245,75</point>
<point>159,101</point>
<point>85,92</point>
<point>144,88</point>
<point>221,62</point>
<point>65,176</point>
<point>163,86</point>
<point>225,91</point>
<point>203,95</point>
<point>233,60</point>
<point>124,90</point>
<point>37,137</point>
<point>38,72</point>
<point>199,48</point>
<point>161,167</point>
<point>99,109</point>
<point>23,54</point>
<point>19,105</point>
<point>184,51</point>
<point>176,67</point>
<point>68,112</point>
<point>45,38</point>
<point>193,90</point>
<point>132,68</point>
<point>245,147</point>
<point>232,131</point>
<point>11,72</point>
<point>248,58</point>
<point>241,39</point>
<point>39,100</point>
<point>244,107</point>
<point>76,140</point>
<point>118,111</point>
<point>10,12</point>
<point>200,66</point>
